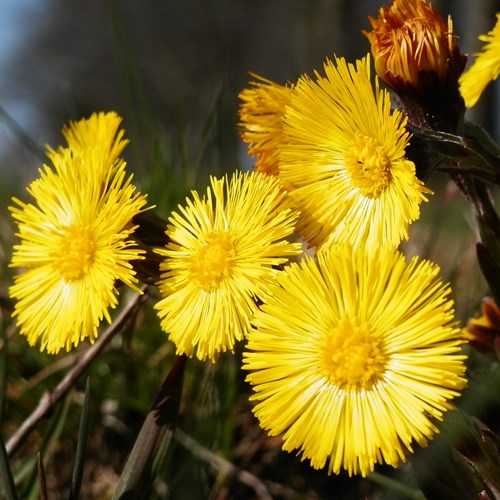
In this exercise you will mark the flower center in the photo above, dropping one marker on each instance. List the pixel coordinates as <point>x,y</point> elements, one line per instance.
<point>213,261</point>
<point>368,165</point>
<point>76,252</point>
<point>351,357</point>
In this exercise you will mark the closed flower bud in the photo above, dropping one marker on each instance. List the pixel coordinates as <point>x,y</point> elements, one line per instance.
<point>416,54</point>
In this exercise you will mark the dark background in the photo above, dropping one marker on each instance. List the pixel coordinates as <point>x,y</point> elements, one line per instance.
<point>170,67</point>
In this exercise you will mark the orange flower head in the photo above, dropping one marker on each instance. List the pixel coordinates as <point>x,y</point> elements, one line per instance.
<point>483,332</point>
<point>261,116</point>
<point>416,54</point>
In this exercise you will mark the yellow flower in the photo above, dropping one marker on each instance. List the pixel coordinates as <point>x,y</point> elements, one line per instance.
<point>354,358</point>
<point>344,159</point>
<point>100,133</point>
<point>485,68</point>
<point>75,245</point>
<point>261,118</point>
<point>224,251</point>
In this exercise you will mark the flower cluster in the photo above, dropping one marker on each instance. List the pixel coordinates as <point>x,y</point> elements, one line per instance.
<point>341,156</point>
<point>352,352</point>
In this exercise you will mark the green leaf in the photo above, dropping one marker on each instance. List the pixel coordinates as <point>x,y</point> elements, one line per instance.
<point>148,456</point>
<point>7,486</point>
<point>47,447</point>
<point>76,480</point>
<point>403,490</point>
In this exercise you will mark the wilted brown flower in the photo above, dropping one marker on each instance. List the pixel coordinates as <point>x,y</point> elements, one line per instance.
<point>483,332</point>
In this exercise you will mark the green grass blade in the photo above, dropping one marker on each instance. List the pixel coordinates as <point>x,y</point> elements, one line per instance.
<point>7,486</point>
<point>76,480</point>
<point>48,445</point>
<point>22,136</point>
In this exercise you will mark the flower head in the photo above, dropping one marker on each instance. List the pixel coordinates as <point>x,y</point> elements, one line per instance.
<point>101,135</point>
<point>344,159</point>
<point>415,53</point>
<point>224,252</point>
<point>485,68</point>
<point>75,244</point>
<point>483,332</point>
<point>354,357</point>
<point>261,118</point>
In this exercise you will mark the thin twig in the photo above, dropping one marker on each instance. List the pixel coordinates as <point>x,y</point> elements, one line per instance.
<point>222,465</point>
<point>41,477</point>
<point>50,399</point>
<point>58,365</point>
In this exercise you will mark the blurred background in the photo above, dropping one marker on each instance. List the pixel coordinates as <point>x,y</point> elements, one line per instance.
<point>173,70</point>
<point>171,67</point>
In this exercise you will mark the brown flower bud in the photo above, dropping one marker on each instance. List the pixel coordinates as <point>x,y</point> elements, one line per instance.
<point>416,54</point>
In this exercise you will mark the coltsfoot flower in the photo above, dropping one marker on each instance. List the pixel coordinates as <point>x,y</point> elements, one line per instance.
<point>486,67</point>
<point>344,160</point>
<point>225,250</point>
<point>355,357</point>
<point>75,241</point>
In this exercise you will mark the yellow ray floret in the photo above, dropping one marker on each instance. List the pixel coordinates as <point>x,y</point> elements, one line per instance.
<point>344,159</point>
<point>223,254</point>
<point>75,244</point>
<point>485,68</point>
<point>355,357</point>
